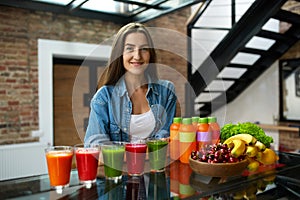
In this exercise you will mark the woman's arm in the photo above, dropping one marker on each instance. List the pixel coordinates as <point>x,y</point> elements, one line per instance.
<point>170,111</point>
<point>98,126</point>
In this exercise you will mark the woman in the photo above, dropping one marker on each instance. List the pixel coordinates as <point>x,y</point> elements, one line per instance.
<point>131,101</point>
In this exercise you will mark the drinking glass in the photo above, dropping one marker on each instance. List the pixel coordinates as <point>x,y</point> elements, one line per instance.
<point>157,151</point>
<point>135,157</point>
<point>113,158</point>
<point>59,162</point>
<point>87,157</point>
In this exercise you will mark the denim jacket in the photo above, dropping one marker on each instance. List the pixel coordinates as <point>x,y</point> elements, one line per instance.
<point>111,110</point>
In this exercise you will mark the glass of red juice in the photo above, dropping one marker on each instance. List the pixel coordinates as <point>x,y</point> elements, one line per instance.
<point>87,157</point>
<point>113,158</point>
<point>135,157</point>
<point>59,163</point>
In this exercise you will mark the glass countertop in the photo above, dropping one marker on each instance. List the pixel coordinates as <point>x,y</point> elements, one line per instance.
<point>178,181</point>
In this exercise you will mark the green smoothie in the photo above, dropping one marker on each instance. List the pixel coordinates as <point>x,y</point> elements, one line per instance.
<point>157,150</point>
<point>113,157</point>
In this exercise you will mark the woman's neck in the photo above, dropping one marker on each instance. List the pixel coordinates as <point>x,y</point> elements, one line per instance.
<point>134,83</point>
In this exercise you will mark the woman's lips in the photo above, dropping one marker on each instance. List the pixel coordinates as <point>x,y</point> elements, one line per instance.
<point>136,64</point>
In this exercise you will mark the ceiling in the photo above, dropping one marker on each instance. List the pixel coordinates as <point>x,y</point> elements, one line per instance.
<point>117,11</point>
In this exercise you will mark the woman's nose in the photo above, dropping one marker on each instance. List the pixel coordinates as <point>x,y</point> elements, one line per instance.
<point>137,54</point>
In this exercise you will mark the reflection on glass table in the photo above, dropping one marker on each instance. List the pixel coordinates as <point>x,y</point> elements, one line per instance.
<point>178,181</point>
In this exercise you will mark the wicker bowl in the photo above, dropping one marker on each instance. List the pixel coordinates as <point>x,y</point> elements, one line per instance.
<point>218,169</point>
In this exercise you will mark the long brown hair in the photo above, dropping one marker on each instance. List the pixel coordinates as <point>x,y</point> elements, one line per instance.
<point>115,69</point>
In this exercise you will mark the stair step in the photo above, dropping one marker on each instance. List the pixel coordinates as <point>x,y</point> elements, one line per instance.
<point>272,35</point>
<point>235,65</point>
<point>286,16</point>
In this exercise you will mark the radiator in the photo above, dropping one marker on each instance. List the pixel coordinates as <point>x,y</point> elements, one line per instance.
<point>22,160</point>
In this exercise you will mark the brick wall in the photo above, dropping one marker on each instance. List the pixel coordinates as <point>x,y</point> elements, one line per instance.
<point>19,31</point>
<point>289,141</point>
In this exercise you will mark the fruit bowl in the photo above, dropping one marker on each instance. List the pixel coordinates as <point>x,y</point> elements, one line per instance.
<point>218,169</point>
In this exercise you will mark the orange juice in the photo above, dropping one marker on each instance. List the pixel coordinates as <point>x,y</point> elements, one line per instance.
<point>187,139</point>
<point>203,136</point>
<point>174,138</point>
<point>215,129</point>
<point>59,161</point>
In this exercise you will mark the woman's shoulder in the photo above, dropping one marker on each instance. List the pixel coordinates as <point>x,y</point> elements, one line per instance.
<point>104,89</point>
<point>163,87</point>
<point>166,84</point>
<point>103,92</point>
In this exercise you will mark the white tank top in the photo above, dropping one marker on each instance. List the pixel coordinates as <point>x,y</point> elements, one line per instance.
<point>142,125</point>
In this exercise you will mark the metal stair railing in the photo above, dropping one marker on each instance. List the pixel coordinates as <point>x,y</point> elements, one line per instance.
<point>249,25</point>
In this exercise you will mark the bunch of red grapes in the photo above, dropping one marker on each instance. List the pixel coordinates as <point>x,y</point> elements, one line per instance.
<point>217,153</point>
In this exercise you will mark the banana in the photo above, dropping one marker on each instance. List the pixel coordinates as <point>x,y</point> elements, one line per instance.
<point>251,151</point>
<point>247,138</point>
<point>239,148</point>
<point>260,145</point>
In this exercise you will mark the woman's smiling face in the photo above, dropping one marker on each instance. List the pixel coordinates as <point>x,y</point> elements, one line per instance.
<point>136,54</point>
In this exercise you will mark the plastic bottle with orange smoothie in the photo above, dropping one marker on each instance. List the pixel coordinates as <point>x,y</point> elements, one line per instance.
<point>214,128</point>
<point>174,138</point>
<point>187,139</point>
<point>203,135</point>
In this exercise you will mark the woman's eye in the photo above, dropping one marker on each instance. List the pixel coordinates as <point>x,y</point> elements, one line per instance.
<point>145,49</point>
<point>129,49</point>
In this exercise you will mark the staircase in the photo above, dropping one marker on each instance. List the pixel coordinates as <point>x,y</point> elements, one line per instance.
<point>238,58</point>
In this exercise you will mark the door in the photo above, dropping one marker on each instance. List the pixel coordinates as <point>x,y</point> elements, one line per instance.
<point>73,86</point>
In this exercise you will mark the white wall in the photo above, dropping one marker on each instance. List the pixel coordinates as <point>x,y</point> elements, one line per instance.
<point>258,103</point>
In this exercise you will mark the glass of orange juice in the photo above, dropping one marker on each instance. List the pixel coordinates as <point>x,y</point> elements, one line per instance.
<point>59,162</point>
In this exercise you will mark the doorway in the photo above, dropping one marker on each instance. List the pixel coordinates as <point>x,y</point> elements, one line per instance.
<point>71,100</point>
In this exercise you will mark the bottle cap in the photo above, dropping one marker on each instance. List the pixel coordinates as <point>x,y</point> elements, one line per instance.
<point>203,120</point>
<point>177,120</point>
<point>195,119</point>
<point>187,121</point>
<point>212,119</point>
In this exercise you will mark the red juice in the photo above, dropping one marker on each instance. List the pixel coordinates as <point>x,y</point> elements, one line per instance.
<point>135,157</point>
<point>87,163</point>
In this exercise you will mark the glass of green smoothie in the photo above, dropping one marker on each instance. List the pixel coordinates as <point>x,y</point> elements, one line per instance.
<point>157,153</point>
<point>113,158</point>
